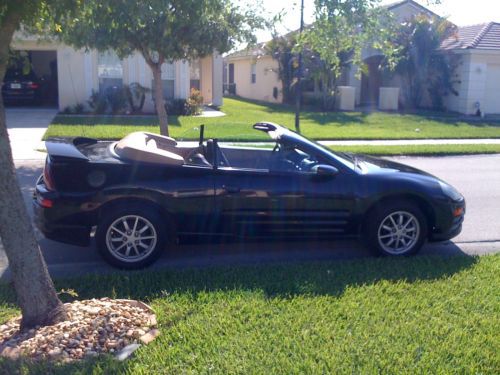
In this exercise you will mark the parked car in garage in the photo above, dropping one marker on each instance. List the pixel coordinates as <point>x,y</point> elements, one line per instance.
<point>21,87</point>
<point>144,191</point>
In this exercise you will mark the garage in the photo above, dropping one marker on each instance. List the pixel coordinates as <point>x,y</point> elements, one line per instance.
<point>31,79</point>
<point>492,93</point>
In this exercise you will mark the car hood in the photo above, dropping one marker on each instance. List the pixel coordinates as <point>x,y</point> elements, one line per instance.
<point>372,165</point>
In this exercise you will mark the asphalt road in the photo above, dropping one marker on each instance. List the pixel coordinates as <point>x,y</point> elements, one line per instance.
<point>477,177</point>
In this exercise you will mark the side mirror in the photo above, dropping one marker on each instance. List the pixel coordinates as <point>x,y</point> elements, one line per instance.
<point>325,170</point>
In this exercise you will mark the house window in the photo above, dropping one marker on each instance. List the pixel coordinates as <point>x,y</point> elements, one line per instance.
<point>167,80</point>
<point>109,70</point>
<point>231,73</point>
<point>194,74</point>
<point>253,75</point>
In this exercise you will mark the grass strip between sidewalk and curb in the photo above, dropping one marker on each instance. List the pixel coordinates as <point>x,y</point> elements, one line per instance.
<point>423,314</point>
<point>421,150</point>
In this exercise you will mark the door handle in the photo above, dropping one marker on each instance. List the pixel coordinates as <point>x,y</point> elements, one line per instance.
<point>231,189</point>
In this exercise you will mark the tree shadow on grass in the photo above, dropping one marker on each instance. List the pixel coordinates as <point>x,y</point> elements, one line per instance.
<point>279,280</point>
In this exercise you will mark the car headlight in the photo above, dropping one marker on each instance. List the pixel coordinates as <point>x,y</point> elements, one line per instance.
<point>450,191</point>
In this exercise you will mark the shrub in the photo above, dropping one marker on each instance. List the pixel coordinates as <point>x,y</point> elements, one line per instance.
<point>117,99</point>
<point>98,102</point>
<point>194,104</point>
<point>67,110</point>
<point>78,108</point>
<point>136,95</point>
<point>176,107</point>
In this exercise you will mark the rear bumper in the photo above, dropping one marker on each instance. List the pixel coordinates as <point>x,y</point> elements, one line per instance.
<point>59,224</point>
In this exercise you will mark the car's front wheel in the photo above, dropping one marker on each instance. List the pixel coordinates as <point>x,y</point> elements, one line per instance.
<point>397,229</point>
<point>132,237</point>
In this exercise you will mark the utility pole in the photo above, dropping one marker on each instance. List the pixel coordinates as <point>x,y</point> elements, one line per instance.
<point>298,90</point>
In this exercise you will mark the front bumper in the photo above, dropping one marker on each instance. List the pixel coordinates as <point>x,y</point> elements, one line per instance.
<point>449,225</point>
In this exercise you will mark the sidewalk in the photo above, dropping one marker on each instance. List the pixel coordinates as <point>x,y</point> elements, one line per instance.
<point>408,142</point>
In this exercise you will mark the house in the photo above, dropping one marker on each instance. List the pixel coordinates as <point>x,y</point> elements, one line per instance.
<point>478,73</point>
<point>74,74</point>
<point>479,48</point>
<point>253,74</point>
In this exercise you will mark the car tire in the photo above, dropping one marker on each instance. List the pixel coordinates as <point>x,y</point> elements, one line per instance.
<point>132,237</point>
<point>396,229</point>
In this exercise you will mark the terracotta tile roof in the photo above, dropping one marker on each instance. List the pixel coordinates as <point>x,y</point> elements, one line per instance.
<point>483,36</point>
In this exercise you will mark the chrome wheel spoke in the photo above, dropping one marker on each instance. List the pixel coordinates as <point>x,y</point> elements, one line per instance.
<point>125,225</point>
<point>118,231</point>
<point>393,221</point>
<point>121,246</point>
<point>143,229</point>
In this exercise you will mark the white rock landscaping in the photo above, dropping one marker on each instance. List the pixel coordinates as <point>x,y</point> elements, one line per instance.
<point>94,327</point>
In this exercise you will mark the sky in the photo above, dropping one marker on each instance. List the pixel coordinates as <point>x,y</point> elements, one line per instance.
<point>460,12</point>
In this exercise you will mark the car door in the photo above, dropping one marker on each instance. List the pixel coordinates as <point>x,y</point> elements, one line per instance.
<point>285,203</point>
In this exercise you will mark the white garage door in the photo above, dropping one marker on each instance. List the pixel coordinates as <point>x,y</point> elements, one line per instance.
<point>492,104</point>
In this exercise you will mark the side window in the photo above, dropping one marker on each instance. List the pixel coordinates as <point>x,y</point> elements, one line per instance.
<point>253,74</point>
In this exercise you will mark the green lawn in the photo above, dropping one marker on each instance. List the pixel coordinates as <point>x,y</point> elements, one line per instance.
<point>414,315</point>
<point>428,150</point>
<point>243,113</point>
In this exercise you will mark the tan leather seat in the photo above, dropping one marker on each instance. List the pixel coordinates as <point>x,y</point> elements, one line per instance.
<point>149,147</point>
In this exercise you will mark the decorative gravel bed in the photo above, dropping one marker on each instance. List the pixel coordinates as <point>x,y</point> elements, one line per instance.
<point>94,326</point>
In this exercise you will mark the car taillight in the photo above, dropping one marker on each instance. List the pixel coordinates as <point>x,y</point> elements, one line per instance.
<point>34,86</point>
<point>47,175</point>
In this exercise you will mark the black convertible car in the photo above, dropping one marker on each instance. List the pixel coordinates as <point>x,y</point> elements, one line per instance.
<point>146,190</point>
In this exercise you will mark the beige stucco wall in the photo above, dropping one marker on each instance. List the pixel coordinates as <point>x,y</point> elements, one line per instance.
<point>266,78</point>
<point>475,80</point>
<point>77,74</point>
<point>206,78</point>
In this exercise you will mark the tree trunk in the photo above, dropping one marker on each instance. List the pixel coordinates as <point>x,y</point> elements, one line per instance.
<point>159,101</point>
<point>34,288</point>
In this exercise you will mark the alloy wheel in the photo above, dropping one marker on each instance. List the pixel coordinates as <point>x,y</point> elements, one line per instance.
<point>131,238</point>
<point>398,232</point>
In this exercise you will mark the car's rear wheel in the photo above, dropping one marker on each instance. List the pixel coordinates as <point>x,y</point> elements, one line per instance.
<point>398,229</point>
<point>131,237</point>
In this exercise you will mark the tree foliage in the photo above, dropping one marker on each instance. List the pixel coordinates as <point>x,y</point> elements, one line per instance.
<point>161,31</point>
<point>334,41</point>
<point>421,65</point>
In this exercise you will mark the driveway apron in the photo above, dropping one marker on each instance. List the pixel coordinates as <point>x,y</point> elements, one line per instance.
<point>26,127</point>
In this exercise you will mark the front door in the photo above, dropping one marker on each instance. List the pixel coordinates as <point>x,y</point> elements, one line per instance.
<point>287,203</point>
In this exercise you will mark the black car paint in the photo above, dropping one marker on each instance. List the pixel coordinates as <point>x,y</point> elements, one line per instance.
<point>228,201</point>
<point>27,86</point>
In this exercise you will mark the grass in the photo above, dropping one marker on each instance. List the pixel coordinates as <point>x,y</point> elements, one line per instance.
<point>316,125</point>
<point>413,315</point>
<point>427,150</point>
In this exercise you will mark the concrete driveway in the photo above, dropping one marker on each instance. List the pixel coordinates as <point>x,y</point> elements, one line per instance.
<point>26,127</point>
<point>477,177</point>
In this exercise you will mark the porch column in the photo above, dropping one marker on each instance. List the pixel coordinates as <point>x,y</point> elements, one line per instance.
<point>217,70</point>
<point>181,90</point>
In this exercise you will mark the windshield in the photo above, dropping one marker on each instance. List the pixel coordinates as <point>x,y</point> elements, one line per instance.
<point>19,74</point>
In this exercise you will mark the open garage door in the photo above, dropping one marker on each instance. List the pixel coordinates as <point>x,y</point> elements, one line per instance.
<point>492,102</point>
<point>31,79</point>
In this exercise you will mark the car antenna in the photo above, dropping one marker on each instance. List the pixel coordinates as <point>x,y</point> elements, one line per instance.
<point>202,134</point>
